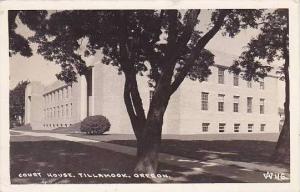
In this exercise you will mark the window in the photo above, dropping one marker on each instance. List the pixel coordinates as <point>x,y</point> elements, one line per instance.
<point>70,109</point>
<point>236,127</point>
<point>59,94</point>
<point>221,75</point>
<point>262,85</point>
<point>235,80</point>
<point>66,92</point>
<point>250,127</point>
<point>62,110</point>
<point>262,127</point>
<point>204,102</point>
<point>262,106</point>
<point>205,127</point>
<point>54,112</point>
<point>221,102</point>
<point>221,127</point>
<point>151,93</point>
<point>249,104</point>
<point>249,84</point>
<point>70,91</point>
<point>236,103</point>
<point>67,110</point>
<point>56,95</point>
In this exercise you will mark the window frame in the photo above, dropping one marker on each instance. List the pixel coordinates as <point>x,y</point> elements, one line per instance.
<point>221,75</point>
<point>204,101</point>
<point>250,127</point>
<point>222,127</point>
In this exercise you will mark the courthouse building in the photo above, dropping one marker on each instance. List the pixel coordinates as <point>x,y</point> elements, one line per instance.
<point>224,103</point>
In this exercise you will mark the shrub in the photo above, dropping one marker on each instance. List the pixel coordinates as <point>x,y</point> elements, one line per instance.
<point>95,125</point>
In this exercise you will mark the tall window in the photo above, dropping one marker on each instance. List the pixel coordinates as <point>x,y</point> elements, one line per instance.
<point>221,75</point>
<point>62,110</point>
<point>250,127</point>
<point>249,104</point>
<point>67,110</point>
<point>236,127</point>
<point>71,109</point>
<point>58,111</point>
<point>70,91</point>
<point>236,103</point>
<point>221,102</point>
<point>221,127</point>
<point>60,94</point>
<point>204,101</point>
<point>262,127</point>
<point>262,84</point>
<point>66,92</point>
<point>262,106</point>
<point>249,84</point>
<point>54,112</point>
<point>235,80</point>
<point>56,95</point>
<point>205,127</point>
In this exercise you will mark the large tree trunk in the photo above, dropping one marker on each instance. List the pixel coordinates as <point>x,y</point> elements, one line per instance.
<point>149,142</point>
<point>282,150</point>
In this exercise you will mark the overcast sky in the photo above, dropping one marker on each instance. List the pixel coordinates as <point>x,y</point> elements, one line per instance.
<point>36,68</point>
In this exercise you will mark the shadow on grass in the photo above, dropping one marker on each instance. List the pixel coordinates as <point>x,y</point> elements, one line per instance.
<point>70,157</point>
<point>234,150</point>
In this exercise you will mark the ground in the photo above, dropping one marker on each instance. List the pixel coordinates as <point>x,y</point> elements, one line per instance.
<point>184,159</point>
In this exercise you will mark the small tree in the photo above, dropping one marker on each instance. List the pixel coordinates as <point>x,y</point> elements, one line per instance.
<point>271,43</point>
<point>131,39</point>
<point>17,103</point>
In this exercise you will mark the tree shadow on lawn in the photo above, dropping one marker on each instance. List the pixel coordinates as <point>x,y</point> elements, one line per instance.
<point>69,157</point>
<point>233,150</point>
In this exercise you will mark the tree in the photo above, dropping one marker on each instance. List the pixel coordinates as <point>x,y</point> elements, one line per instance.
<point>271,44</point>
<point>134,42</point>
<point>17,103</point>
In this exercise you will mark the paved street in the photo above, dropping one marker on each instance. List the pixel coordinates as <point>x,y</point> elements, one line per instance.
<point>221,169</point>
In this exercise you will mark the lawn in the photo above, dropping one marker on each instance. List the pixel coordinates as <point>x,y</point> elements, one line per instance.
<point>48,156</point>
<point>234,150</point>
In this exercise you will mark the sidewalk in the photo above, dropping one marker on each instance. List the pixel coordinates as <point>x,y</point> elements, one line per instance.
<point>241,171</point>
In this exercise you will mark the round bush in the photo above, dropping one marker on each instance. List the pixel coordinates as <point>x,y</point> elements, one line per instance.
<point>95,125</point>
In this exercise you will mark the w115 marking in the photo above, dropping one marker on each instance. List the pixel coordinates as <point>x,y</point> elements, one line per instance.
<point>275,176</point>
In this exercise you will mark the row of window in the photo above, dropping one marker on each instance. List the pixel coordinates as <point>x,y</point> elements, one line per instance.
<point>236,127</point>
<point>57,125</point>
<point>221,107</point>
<point>57,95</point>
<point>221,79</point>
<point>58,111</point>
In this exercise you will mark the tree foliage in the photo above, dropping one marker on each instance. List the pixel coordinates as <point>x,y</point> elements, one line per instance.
<point>271,44</point>
<point>17,102</point>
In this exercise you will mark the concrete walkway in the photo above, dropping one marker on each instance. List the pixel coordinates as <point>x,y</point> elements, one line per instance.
<point>240,171</point>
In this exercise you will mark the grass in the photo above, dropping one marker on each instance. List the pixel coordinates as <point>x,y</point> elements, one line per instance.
<point>234,150</point>
<point>53,156</point>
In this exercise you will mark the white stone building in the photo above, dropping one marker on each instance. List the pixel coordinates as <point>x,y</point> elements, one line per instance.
<point>223,104</point>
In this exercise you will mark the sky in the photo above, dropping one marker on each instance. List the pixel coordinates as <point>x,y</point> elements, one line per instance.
<point>36,68</point>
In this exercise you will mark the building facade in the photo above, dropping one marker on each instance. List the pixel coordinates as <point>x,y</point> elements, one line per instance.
<point>224,103</point>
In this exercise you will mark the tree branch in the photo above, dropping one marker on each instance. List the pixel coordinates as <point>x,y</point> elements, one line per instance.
<point>132,97</point>
<point>197,49</point>
<point>174,53</point>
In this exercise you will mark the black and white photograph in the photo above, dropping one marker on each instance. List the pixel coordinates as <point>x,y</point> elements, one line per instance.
<point>183,95</point>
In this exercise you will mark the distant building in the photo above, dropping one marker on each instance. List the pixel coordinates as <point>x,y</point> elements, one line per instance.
<point>224,103</point>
